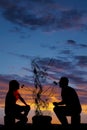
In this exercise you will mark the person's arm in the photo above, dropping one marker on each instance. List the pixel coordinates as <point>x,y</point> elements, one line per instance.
<point>58,103</point>
<point>22,100</point>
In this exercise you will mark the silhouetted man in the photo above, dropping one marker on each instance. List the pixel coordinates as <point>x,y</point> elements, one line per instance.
<point>69,105</point>
<point>12,109</point>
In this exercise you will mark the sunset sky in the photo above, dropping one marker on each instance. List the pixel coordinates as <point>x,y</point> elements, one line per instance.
<point>53,33</point>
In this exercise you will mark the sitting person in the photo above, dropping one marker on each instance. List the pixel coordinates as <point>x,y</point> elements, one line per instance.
<point>12,109</point>
<point>70,104</point>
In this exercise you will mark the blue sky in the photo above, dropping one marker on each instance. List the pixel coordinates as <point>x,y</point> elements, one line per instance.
<point>51,31</point>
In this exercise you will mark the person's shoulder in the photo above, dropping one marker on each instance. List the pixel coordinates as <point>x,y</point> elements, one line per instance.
<point>71,88</point>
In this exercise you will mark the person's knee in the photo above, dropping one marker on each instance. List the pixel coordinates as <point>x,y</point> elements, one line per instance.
<point>27,108</point>
<point>58,110</point>
<point>55,109</point>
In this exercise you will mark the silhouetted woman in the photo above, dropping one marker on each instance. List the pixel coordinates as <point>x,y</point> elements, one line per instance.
<point>12,109</point>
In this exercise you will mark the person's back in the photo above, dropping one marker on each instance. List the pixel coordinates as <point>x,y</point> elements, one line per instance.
<point>9,102</point>
<point>70,98</point>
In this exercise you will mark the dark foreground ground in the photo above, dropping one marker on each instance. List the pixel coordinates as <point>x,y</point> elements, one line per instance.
<point>39,123</point>
<point>43,126</point>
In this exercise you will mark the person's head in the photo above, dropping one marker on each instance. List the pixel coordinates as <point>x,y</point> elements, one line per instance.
<point>13,85</point>
<point>63,82</point>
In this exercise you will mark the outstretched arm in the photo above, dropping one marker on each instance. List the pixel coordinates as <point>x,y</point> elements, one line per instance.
<point>22,100</point>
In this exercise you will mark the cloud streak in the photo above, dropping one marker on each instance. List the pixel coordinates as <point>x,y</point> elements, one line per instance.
<point>44,15</point>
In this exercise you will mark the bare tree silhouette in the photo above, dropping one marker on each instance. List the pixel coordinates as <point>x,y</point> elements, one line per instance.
<point>40,75</point>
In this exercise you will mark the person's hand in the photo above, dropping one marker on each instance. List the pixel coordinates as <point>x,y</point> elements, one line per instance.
<point>28,106</point>
<point>55,103</point>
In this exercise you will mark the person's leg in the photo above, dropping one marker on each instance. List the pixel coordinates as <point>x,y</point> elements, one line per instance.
<point>21,112</point>
<point>61,112</point>
<point>26,110</point>
<point>75,119</point>
<point>9,120</point>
